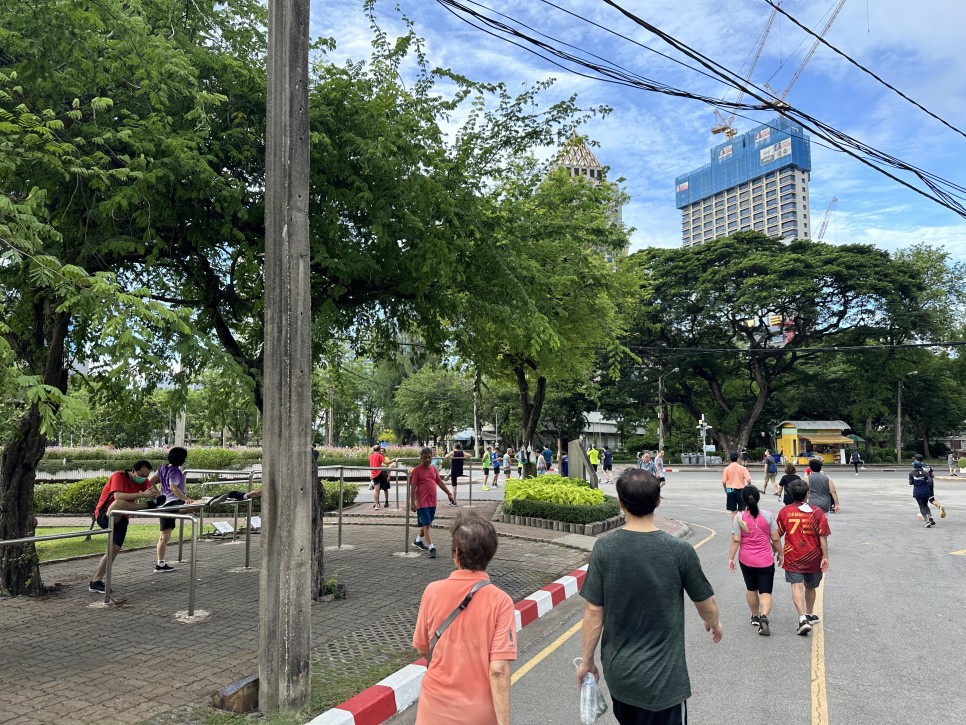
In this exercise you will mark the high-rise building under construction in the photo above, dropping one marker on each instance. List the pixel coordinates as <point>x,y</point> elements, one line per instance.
<point>757,180</point>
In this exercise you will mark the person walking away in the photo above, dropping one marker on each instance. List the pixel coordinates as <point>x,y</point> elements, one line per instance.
<point>608,461</point>
<point>771,470</point>
<point>547,457</point>
<point>754,537</point>
<point>804,554</point>
<point>495,460</point>
<point>821,489</point>
<point>423,482</point>
<point>507,463</point>
<point>921,480</point>
<point>467,679</point>
<point>734,478</point>
<point>953,464</point>
<point>485,463</point>
<point>127,490</point>
<point>634,604</point>
<point>855,460</point>
<point>172,482</point>
<point>659,466</point>
<point>380,478</point>
<point>784,492</point>
<point>521,459</point>
<point>455,469</point>
<point>594,455</point>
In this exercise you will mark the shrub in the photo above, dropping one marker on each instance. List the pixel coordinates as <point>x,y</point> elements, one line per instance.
<point>80,497</point>
<point>217,459</point>
<point>561,512</point>
<point>554,489</point>
<point>331,488</point>
<point>45,498</point>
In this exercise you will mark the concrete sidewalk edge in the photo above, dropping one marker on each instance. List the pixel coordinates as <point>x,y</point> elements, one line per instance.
<point>392,695</point>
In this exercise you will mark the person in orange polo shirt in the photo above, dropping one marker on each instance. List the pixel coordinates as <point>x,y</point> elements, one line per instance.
<point>733,479</point>
<point>468,679</point>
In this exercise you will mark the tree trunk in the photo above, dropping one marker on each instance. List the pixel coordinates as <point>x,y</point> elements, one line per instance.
<point>925,442</point>
<point>531,414</point>
<point>868,438</point>
<point>318,546</point>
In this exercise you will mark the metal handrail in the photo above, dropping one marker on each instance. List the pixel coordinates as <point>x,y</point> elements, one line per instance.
<point>154,513</point>
<point>51,537</point>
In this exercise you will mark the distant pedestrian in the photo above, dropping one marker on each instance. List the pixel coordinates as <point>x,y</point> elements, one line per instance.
<point>953,464</point>
<point>805,553</point>
<point>734,478</point>
<point>640,460</point>
<point>923,490</point>
<point>455,468</point>
<point>437,462</point>
<point>127,490</point>
<point>547,456</point>
<point>541,465</point>
<point>423,482</point>
<point>468,677</point>
<point>608,461</point>
<point>380,478</point>
<point>659,466</point>
<point>521,459</point>
<point>744,457</point>
<point>648,465</point>
<point>486,463</point>
<point>821,489</point>
<point>856,460</point>
<point>495,462</point>
<point>784,492</point>
<point>594,455</point>
<point>507,463</point>
<point>771,470</point>
<point>754,537</point>
<point>634,592</point>
<point>173,493</point>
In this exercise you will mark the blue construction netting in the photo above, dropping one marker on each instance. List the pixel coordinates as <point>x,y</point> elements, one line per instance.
<point>763,149</point>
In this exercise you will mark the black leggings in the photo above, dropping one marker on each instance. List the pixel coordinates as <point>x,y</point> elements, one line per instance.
<point>923,502</point>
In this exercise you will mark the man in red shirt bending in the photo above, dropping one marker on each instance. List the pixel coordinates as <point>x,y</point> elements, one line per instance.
<point>423,482</point>
<point>806,532</point>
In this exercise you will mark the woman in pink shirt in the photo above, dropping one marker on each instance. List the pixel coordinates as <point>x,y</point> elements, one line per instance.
<point>754,537</point>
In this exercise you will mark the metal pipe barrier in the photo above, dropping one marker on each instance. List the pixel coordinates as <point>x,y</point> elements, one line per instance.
<point>393,470</point>
<point>52,537</point>
<point>154,513</point>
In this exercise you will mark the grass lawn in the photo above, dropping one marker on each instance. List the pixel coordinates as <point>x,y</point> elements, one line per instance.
<point>143,535</point>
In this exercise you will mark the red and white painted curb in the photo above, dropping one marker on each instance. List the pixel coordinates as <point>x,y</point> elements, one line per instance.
<point>401,689</point>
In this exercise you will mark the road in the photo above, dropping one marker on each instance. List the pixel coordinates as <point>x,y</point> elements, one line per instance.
<point>890,648</point>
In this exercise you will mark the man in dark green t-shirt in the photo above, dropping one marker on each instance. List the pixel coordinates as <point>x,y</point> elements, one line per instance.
<point>634,598</point>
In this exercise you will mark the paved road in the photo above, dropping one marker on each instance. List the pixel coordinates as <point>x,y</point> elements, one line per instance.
<point>889,650</point>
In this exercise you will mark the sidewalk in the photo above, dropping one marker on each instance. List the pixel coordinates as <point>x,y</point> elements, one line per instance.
<point>67,658</point>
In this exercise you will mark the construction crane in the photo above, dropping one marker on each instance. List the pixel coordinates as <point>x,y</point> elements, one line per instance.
<point>780,97</point>
<point>828,215</point>
<point>726,125</point>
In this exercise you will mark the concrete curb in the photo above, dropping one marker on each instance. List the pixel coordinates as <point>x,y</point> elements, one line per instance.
<point>397,692</point>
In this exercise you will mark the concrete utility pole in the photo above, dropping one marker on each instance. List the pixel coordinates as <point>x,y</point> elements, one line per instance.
<point>899,417</point>
<point>285,600</point>
<point>660,411</point>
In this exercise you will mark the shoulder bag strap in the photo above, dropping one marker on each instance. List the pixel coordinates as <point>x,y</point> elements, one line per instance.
<point>449,620</point>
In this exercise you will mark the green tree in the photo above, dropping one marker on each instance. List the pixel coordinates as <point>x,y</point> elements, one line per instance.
<point>434,402</point>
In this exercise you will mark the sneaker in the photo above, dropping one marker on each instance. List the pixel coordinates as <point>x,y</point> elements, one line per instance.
<point>942,512</point>
<point>97,587</point>
<point>484,488</point>
<point>930,524</point>
<point>804,628</point>
<point>163,567</point>
<point>763,629</point>
<point>453,503</point>
<point>755,620</point>
<point>420,545</point>
<point>432,553</point>
<point>812,618</point>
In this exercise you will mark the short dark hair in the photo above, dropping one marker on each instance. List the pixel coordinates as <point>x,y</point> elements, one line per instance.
<point>376,448</point>
<point>142,464</point>
<point>789,468</point>
<point>177,456</point>
<point>639,491</point>
<point>815,464</point>
<point>734,455</point>
<point>799,489</point>
<point>474,539</point>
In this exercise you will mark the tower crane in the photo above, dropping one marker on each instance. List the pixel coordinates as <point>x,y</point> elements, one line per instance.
<point>780,97</point>
<point>726,125</point>
<point>828,215</point>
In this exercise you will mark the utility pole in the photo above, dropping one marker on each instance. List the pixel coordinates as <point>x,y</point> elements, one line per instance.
<point>704,428</point>
<point>476,429</point>
<point>496,427</point>
<point>285,581</point>
<point>660,411</point>
<point>899,417</point>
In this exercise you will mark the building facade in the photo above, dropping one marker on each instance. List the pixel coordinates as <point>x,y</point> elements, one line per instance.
<point>758,180</point>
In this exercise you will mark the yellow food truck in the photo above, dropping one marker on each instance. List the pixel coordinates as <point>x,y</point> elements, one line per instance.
<point>799,440</point>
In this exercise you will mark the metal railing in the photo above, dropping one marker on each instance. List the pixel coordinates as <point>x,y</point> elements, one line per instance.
<point>248,482</point>
<point>51,537</point>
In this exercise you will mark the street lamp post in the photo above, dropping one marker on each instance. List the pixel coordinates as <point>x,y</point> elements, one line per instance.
<point>496,427</point>
<point>899,417</point>
<point>660,412</point>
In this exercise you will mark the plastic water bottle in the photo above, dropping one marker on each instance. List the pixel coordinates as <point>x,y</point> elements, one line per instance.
<point>588,700</point>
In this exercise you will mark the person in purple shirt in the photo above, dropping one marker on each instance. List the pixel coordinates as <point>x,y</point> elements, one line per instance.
<point>172,481</point>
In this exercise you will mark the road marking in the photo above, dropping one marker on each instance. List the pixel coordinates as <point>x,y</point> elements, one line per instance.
<point>958,553</point>
<point>557,643</point>
<point>819,699</point>
<point>545,652</point>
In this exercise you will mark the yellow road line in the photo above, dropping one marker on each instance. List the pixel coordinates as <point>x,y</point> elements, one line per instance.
<point>545,652</point>
<point>958,553</point>
<point>819,699</point>
<point>557,643</point>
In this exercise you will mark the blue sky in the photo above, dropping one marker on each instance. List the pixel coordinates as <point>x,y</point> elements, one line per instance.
<point>649,138</point>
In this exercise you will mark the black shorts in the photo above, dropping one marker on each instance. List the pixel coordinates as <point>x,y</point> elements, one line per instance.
<point>633,715</point>
<point>168,524</point>
<point>608,467</point>
<point>120,527</point>
<point>759,579</point>
<point>382,480</point>
<point>454,474</point>
<point>734,501</point>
